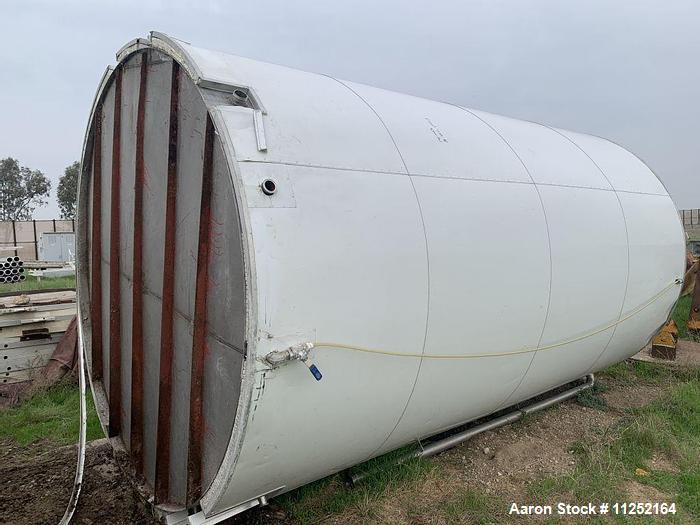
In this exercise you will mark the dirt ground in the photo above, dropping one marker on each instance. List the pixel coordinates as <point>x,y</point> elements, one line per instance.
<point>37,480</point>
<point>503,462</point>
<point>36,484</point>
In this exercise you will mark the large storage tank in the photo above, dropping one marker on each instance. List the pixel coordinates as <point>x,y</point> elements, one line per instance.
<point>446,263</point>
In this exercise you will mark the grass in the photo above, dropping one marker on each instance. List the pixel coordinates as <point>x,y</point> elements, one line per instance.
<point>632,372</point>
<point>669,427</point>
<point>592,398</point>
<point>476,506</point>
<point>606,465</point>
<point>680,316</point>
<point>51,415</point>
<point>32,283</point>
<point>312,502</point>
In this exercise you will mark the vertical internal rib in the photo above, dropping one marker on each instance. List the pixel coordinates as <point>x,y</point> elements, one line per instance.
<point>137,269</point>
<point>96,248</point>
<point>166,342</point>
<point>115,366</point>
<point>194,457</point>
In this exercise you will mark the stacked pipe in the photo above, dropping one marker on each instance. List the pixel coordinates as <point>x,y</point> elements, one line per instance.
<point>12,270</point>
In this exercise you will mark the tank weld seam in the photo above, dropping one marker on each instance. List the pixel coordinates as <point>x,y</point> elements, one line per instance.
<point>549,246</point>
<point>559,344</point>
<point>627,238</point>
<point>433,176</point>
<point>179,313</point>
<point>427,262</point>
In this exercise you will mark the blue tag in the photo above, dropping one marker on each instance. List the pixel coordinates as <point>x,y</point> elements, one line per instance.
<point>315,372</point>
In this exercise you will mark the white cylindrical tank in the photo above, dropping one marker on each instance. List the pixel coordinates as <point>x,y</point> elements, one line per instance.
<point>437,263</point>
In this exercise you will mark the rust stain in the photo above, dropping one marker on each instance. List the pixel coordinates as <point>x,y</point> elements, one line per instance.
<point>137,290</point>
<point>115,366</point>
<point>96,248</point>
<point>199,343</point>
<point>162,481</point>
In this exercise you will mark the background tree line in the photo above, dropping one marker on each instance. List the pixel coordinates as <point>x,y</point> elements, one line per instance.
<point>23,189</point>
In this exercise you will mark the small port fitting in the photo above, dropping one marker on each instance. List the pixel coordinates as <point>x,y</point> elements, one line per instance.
<point>298,351</point>
<point>268,187</point>
<point>240,95</point>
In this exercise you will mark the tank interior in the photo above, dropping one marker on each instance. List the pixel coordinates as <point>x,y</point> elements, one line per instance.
<point>165,256</point>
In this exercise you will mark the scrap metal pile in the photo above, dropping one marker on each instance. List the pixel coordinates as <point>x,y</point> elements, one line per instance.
<point>37,341</point>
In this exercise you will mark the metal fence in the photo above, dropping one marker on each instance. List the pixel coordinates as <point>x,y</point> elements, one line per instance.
<point>21,238</point>
<point>690,218</point>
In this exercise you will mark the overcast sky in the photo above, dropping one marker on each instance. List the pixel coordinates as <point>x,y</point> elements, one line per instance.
<point>625,70</point>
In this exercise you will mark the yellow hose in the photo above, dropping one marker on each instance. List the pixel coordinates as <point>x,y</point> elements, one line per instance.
<point>323,344</point>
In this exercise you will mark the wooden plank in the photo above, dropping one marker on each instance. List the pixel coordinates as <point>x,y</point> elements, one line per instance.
<point>13,333</point>
<point>36,308</point>
<point>36,319</point>
<point>43,264</point>
<point>13,301</point>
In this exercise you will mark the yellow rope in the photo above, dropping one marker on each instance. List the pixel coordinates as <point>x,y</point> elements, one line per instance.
<point>499,354</point>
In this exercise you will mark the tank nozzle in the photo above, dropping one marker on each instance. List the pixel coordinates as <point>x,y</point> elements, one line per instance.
<point>297,352</point>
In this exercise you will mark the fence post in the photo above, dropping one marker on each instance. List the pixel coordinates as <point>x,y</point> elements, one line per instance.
<point>36,241</point>
<point>14,236</point>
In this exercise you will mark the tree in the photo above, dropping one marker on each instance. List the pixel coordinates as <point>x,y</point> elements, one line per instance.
<point>21,190</point>
<point>68,191</point>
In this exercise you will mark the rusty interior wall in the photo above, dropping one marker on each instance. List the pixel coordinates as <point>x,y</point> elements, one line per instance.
<point>130,93</point>
<point>155,169</point>
<point>92,238</point>
<point>191,122</point>
<point>226,319</point>
<point>225,310</point>
<point>105,202</point>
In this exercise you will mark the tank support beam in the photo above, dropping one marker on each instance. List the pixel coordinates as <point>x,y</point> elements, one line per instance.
<point>162,481</point>
<point>115,365</point>
<point>137,295</point>
<point>194,455</point>
<point>436,447</point>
